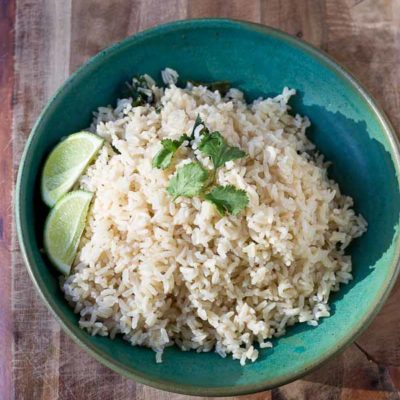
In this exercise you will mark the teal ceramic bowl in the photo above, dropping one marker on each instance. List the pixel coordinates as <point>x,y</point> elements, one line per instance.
<point>347,127</point>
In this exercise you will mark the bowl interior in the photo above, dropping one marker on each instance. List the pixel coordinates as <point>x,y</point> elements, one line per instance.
<point>345,127</point>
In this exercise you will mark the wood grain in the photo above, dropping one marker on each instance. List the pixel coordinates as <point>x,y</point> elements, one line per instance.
<point>7,20</point>
<point>41,53</point>
<point>52,39</point>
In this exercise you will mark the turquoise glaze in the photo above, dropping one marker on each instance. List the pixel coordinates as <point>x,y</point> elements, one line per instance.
<point>346,126</point>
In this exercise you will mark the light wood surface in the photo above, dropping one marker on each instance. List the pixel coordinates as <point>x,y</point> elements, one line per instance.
<point>52,38</point>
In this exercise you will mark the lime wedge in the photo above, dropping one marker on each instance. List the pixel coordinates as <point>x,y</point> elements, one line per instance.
<point>64,227</point>
<point>66,164</point>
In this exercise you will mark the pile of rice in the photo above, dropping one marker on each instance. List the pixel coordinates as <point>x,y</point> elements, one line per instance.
<point>161,272</point>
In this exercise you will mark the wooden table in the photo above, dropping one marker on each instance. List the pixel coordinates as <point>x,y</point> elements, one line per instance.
<point>41,43</point>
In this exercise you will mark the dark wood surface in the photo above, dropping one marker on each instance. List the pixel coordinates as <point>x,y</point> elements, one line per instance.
<point>41,43</point>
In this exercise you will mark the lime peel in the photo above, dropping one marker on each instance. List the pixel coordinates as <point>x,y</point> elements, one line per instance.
<point>64,227</point>
<point>66,163</point>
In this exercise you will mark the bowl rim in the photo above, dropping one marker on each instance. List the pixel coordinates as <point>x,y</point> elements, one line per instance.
<point>182,388</point>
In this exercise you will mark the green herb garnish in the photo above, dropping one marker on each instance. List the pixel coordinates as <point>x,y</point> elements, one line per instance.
<point>228,199</point>
<point>139,91</point>
<point>221,86</point>
<point>188,181</point>
<point>197,123</point>
<point>220,152</point>
<point>163,158</point>
<point>194,180</point>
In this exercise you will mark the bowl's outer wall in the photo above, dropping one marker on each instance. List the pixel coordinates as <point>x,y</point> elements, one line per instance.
<point>344,127</point>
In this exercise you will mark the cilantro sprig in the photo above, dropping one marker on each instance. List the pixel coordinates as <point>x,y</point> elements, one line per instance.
<point>194,180</point>
<point>220,152</point>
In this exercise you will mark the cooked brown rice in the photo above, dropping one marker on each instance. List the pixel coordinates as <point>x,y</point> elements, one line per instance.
<point>161,272</point>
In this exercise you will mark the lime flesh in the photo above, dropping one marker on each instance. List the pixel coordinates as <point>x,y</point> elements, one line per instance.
<point>66,163</point>
<point>64,227</point>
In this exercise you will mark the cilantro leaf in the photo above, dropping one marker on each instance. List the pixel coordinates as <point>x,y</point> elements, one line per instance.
<point>216,147</point>
<point>188,181</point>
<point>228,199</point>
<point>163,158</point>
